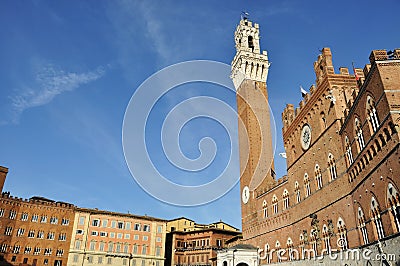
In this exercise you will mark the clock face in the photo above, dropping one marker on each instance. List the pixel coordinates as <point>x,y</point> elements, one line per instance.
<point>305,137</point>
<point>245,194</point>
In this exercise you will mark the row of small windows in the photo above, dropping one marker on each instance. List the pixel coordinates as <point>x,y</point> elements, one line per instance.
<point>35,217</point>
<point>33,234</point>
<point>197,243</point>
<point>118,235</point>
<point>16,249</point>
<point>119,225</point>
<point>117,247</point>
<point>193,259</point>
<point>307,189</point>
<point>92,260</point>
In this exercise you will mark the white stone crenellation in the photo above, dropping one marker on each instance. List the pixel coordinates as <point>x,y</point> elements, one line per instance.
<point>248,62</point>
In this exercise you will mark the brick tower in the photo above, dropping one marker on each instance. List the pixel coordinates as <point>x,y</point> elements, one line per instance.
<point>249,73</point>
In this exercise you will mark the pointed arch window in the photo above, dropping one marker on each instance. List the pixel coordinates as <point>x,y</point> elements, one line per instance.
<point>297,192</point>
<point>361,225</point>
<point>342,234</point>
<point>307,185</point>
<point>318,176</point>
<point>323,121</point>
<point>332,166</point>
<point>327,239</point>
<point>313,242</point>
<point>289,245</point>
<point>302,247</point>
<point>359,133</point>
<point>349,153</point>
<point>376,218</point>
<point>267,255</point>
<point>265,210</point>
<point>285,199</point>
<point>372,114</point>
<point>394,202</point>
<point>278,247</point>
<point>275,204</point>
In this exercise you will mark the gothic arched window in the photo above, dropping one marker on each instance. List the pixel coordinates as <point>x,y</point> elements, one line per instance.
<point>327,239</point>
<point>349,153</point>
<point>376,218</point>
<point>342,234</point>
<point>275,204</point>
<point>332,166</point>
<point>372,114</point>
<point>361,225</point>
<point>394,203</point>
<point>318,176</point>
<point>307,185</point>
<point>359,133</point>
<point>297,192</point>
<point>289,245</point>
<point>285,199</point>
<point>265,210</point>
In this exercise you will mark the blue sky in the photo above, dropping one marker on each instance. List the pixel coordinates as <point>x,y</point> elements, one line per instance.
<point>68,70</point>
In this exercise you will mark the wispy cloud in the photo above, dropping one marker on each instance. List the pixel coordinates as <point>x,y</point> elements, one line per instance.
<point>49,82</point>
<point>155,31</point>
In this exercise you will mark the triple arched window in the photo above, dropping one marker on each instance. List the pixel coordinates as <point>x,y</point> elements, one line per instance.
<point>289,245</point>
<point>394,202</point>
<point>265,209</point>
<point>332,166</point>
<point>278,247</point>
<point>285,199</point>
<point>327,239</point>
<point>318,176</point>
<point>361,225</point>
<point>376,218</point>
<point>359,133</point>
<point>342,234</point>
<point>307,185</point>
<point>313,242</point>
<point>372,114</point>
<point>275,204</point>
<point>349,153</point>
<point>297,192</point>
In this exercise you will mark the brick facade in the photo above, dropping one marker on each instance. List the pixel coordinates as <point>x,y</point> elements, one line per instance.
<point>344,184</point>
<point>35,231</point>
<point>189,243</point>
